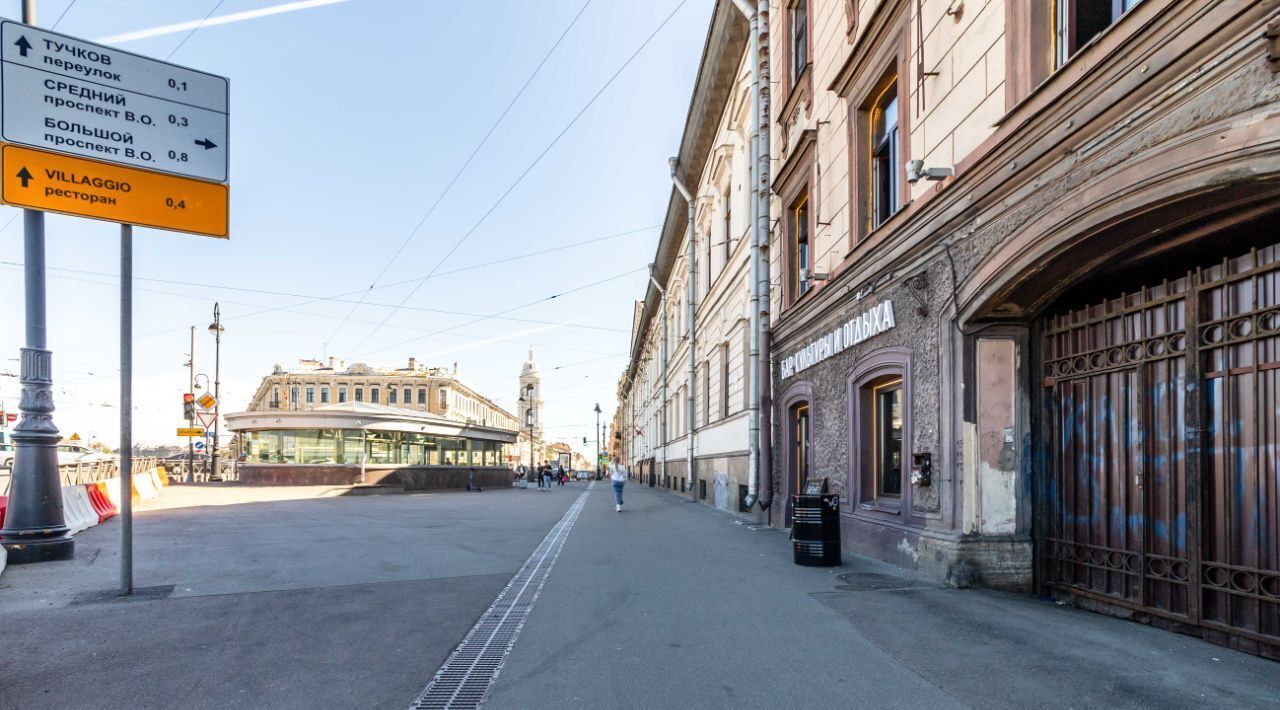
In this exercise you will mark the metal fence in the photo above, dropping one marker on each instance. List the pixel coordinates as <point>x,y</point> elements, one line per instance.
<point>177,470</point>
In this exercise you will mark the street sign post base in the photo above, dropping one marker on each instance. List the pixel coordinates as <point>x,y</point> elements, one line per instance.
<point>51,550</point>
<point>35,529</point>
<point>34,526</point>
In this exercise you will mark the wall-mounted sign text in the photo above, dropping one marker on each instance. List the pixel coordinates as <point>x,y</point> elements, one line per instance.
<point>873,321</point>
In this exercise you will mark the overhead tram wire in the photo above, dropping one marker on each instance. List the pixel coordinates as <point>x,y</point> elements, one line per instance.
<point>180,294</point>
<point>339,298</point>
<point>478,316</point>
<point>503,314</point>
<point>194,30</point>
<point>527,170</point>
<point>467,163</point>
<point>65,10</point>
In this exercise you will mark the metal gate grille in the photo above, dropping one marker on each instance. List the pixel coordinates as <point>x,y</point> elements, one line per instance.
<point>1162,411</point>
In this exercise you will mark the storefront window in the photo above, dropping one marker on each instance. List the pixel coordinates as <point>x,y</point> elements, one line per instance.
<point>355,446</point>
<point>887,436</point>
<point>352,446</point>
<point>880,392</point>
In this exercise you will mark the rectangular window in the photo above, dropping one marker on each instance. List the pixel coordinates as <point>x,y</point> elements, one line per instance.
<point>728,225</point>
<point>373,395</point>
<point>408,397</point>
<point>422,395</point>
<point>391,395</point>
<point>293,396</point>
<point>444,399</point>
<point>324,395</point>
<point>311,395</point>
<point>799,38</point>
<point>359,394</point>
<point>1078,22</point>
<point>798,231</point>
<point>342,394</point>
<point>886,438</point>
<point>724,380</point>
<point>706,393</point>
<point>275,397</point>
<point>885,163</point>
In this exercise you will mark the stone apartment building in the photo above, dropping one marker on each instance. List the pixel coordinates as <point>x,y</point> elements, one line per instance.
<point>1025,286</point>
<point>1026,291</point>
<point>433,390</point>
<point>700,413</point>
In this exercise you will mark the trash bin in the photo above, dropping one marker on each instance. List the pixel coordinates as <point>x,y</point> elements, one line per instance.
<point>815,530</point>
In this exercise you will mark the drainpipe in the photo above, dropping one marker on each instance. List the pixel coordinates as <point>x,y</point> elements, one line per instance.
<point>663,306</point>
<point>693,310</point>
<point>753,308</point>
<point>762,249</point>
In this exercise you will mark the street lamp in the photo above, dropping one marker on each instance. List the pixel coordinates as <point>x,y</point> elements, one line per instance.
<point>191,452</point>
<point>597,441</point>
<point>216,328</point>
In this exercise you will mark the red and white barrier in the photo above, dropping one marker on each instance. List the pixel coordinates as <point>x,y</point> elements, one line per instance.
<point>76,509</point>
<point>101,501</point>
<point>145,486</point>
<point>87,504</point>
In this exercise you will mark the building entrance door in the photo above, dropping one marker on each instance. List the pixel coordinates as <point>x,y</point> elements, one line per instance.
<point>1161,418</point>
<point>799,458</point>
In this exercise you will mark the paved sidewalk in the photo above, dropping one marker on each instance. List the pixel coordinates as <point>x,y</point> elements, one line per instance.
<point>671,604</point>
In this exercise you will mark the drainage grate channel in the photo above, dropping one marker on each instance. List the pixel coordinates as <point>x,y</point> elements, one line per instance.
<point>465,678</point>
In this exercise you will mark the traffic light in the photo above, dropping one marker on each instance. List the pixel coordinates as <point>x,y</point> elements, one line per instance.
<point>188,406</point>
<point>584,441</point>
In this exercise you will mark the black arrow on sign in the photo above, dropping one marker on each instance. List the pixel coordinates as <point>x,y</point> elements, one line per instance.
<point>23,45</point>
<point>206,143</point>
<point>24,176</point>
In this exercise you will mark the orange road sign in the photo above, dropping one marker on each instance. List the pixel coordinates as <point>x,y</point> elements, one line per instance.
<point>190,431</point>
<point>206,401</point>
<point>89,188</point>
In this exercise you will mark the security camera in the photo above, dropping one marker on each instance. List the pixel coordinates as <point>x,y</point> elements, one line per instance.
<point>810,275</point>
<point>916,170</point>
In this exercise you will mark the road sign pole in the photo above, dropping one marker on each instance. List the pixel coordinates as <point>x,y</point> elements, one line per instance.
<point>35,529</point>
<point>191,387</point>
<point>126,409</point>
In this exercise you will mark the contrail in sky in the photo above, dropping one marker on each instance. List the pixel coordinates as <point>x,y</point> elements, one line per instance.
<point>219,20</point>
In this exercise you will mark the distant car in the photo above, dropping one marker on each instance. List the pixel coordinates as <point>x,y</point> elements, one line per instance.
<point>179,458</point>
<point>75,453</point>
<point>6,455</point>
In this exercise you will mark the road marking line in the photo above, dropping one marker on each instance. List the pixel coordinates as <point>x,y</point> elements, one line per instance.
<point>466,676</point>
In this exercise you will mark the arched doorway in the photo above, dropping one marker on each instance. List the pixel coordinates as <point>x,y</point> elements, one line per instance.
<point>1156,410</point>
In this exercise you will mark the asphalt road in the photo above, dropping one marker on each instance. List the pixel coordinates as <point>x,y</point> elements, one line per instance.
<point>334,602</point>
<point>274,598</point>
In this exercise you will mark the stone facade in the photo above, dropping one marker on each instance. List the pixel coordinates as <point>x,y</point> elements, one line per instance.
<point>653,424</point>
<point>434,390</point>
<point>1105,169</point>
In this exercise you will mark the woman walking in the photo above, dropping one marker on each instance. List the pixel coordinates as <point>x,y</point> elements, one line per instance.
<point>618,475</point>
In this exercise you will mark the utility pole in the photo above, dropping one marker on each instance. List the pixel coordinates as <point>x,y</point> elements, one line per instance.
<point>35,528</point>
<point>216,328</point>
<point>191,388</point>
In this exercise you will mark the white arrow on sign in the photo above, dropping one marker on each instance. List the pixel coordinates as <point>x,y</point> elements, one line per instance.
<point>65,94</point>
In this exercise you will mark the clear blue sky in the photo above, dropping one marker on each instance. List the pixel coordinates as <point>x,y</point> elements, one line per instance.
<point>347,121</point>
